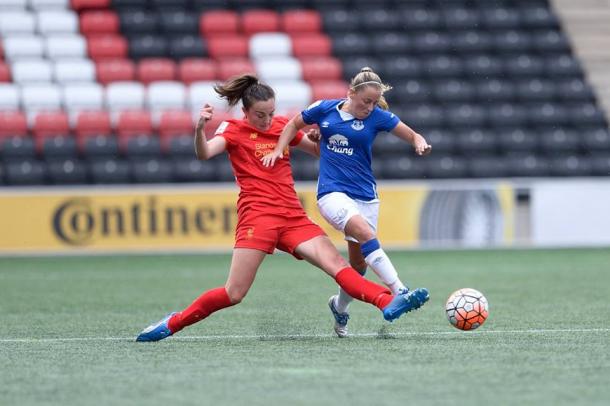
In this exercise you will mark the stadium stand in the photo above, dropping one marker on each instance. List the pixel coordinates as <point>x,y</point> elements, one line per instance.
<point>106,91</point>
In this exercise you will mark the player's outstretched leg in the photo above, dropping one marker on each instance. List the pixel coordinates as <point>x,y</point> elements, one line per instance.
<point>405,302</point>
<point>156,331</point>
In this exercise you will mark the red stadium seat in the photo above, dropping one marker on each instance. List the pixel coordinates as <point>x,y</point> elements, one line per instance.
<point>5,72</point>
<point>253,21</point>
<point>321,68</point>
<point>107,47</point>
<point>99,22</point>
<point>90,123</point>
<point>50,124</point>
<point>335,89</point>
<point>79,5</point>
<point>228,46</point>
<point>212,125</point>
<point>13,123</point>
<point>196,69</point>
<point>115,70</point>
<point>134,122</point>
<point>1,50</point>
<point>219,22</point>
<point>301,21</point>
<point>234,66</point>
<point>174,123</point>
<point>311,45</point>
<point>156,69</point>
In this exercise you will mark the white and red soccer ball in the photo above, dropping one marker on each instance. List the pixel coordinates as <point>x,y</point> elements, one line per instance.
<point>467,309</point>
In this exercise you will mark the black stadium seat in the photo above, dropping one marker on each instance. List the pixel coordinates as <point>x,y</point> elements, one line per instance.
<point>109,171</point>
<point>340,20</point>
<point>187,46</point>
<point>151,170</point>
<point>67,171</point>
<point>179,22</point>
<point>148,46</point>
<point>138,22</point>
<point>193,170</point>
<point>25,172</point>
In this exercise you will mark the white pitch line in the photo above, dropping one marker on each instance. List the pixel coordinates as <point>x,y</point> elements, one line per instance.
<point>307,336</point>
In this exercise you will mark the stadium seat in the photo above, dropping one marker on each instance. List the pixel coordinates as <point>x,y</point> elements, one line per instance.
<point>291,95</point>
<point>193,170</point>
<point>588,114</point>
<point>77,97</point>
<point>229,67</point>
<point>399,67</point>
<point>180,147</point>
<point>37,97</point>
<point>176,123</point>
<point>301,21</point>
<point>90,123</point>
<point>570,165</point>
<point>378,19</point>
<point>213,23</point>
<point>187,46</point>
<point>442,140</point>
<point>148,46</point>
<point>445,167</point>
<point>483,66</point>
<point>487,167</point>
<point>197,69</point>
<point>431,42</point>
<point>507,114</point>
<point>115,70</point>
<point>547,113</point>
<point>56,21</point>
<point>347,44</point>
<point>558,140</point>
<point>596,139</point>
<point>134,122</point>
<point>136,22</point>
<point>17,22</point>
<point>278,69</point>
<point>338,20</point>
<point>443,66</point>
<point>66,171</point>
<point>107,47</point>
<point>516,140</point>
<point>23,46</point>
<point>495,90</point>
<point>13,5</point>
<point>210,5</point>
<point>32,71</point>
<point>5,72</point>
<point>109,171</point>
<point>9,96</point>
<point>460,18</point>
<point>73,71</point>
<point>99,146</point>
<point>311,45</point>
<point>534,90</point>
<point>12,123</point>
<point>228,46</point>
<point>47,124</point>
<point>57,147</point>
<point>512,41</point>
<point>275,44</point>
<point>538,17</point>
<point>409,91</point>
<point>403,167</point>
<point>500,18</point>
<point>452,90</point>
<point>166,95</point>
<point>255,21</point>
<point>306,169</point>
<point>25,172</point>
<point>65,46</point>
<point>418,19</point>
<point>321,68</point>
<point>574,90</point>
<point>151,170</point>
<point>49,4</point>
<point>471,41</point>
<point>600,164</point>
<point>96,22</point>
<point>387,44</point>
<point>562,65</point>
<point>156,69</point>
<point>466,115</point>
<point>17,148</point>
<point>179,21</point>
<point>335,89</point>
<point>423,115</point>
<point>524,66</point>
<point>475,142</point>
<point>353,64</point>
<point>522,165</point>
<point>200,93</point>
<point>124,96</point>
<point>80,5</point>
<point>550,41</point>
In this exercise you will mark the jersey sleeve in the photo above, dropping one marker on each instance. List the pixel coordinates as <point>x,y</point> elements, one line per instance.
<point>386,120</point>
<point>313,113</point>
<point>226,130</point>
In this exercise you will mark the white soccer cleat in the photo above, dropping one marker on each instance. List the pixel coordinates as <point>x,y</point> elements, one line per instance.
<point>340,318</point>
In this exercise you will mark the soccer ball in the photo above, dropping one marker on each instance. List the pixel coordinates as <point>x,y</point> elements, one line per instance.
<point>467,309</point>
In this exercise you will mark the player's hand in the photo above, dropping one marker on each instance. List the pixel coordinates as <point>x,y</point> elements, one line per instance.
<point>206,113</point>
<point>269,159</point>
<point>314,134</point>
<point>422,147</point>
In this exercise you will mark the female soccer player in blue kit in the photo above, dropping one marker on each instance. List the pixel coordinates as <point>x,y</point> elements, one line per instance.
<point>347,194</point>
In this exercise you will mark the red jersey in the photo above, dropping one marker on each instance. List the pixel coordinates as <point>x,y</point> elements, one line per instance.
<point>260,187</point>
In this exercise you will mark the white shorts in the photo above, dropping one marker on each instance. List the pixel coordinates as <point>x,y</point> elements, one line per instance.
<point>338,208</point>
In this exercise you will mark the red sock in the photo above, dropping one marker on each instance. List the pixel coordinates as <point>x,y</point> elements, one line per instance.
<point>363,289</point>
<point>202,307</point>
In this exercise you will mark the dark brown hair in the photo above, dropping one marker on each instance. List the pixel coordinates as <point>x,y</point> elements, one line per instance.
<point>246,88</point>
<point>366,77</point>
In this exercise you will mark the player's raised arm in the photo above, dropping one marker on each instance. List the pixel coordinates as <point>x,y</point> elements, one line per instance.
<point>203,148</point>
<point>406,133</point>
<point>288,134</point>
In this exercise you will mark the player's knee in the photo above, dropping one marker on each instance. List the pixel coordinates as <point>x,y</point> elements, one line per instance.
<point>358,265</point>
<point>236,295</point>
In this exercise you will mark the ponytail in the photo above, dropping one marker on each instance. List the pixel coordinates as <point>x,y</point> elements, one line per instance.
<point>246,88</point>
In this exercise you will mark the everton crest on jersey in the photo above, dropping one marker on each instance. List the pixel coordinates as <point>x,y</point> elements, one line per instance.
<point>346,147</point>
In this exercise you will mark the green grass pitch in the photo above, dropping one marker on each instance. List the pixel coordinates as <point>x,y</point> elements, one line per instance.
<point>68,325</point>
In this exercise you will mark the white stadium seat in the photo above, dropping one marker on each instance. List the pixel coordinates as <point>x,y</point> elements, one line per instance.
<point>291,95</point>
<point>16,22</point>
<point>279,68</point>
<point>56,21</point>
<point>166,95</point>
<point>18,47</point>
<point>27,71</point>
<point>65,46</point>
<point>48,4</point>
<point>74,71</point>
<point>82,96</point>
<point>270,44</point>
<point>13,5</point>
<point>203,92</point>
<point>9,96</point>
<point>125,96</point>
<point>39,97</point>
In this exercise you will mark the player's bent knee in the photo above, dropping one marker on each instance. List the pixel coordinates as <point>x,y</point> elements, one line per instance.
<point>236,295</point>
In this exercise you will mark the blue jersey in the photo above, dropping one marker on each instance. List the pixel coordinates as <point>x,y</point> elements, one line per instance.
<point>346,147</point>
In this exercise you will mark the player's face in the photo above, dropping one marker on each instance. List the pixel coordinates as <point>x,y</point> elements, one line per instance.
<point>363,101</point>
<point>260,114</point>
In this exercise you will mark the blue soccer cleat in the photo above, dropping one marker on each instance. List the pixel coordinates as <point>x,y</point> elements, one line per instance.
<point>405,302</point>
<point>340,318</point>
<point>157,331</point>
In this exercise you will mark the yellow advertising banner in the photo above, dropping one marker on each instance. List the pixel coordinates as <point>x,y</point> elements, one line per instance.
<point>204,217</point>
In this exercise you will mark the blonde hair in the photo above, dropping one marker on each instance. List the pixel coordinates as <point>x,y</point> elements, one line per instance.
<point>366,77</point>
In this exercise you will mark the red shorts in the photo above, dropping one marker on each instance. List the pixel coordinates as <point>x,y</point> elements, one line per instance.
<point>266,232</point>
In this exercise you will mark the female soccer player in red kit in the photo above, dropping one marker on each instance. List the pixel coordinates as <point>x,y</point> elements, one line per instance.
<point>270,214</point>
